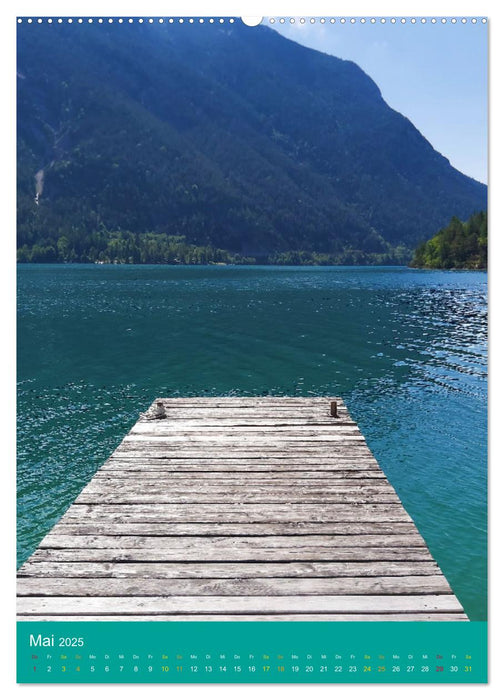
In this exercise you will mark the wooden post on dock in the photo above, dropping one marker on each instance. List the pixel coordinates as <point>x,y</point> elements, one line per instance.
<point>160,411</point>
<point>334,409</point>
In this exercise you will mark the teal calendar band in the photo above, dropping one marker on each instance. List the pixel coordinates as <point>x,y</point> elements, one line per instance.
<point>251,652</point>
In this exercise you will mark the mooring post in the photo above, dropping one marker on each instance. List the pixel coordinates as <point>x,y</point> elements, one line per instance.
<point>160,410</point>
<point>334,409</point>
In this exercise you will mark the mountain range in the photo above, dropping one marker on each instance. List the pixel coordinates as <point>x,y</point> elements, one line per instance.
<point>227,137</point>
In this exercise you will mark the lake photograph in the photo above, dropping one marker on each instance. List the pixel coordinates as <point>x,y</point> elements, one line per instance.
<point>252,321</point>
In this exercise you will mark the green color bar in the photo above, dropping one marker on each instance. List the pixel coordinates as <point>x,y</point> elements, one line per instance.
<point>251,652</point>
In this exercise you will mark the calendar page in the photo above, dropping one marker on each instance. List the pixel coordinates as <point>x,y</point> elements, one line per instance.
<point>252,349</point>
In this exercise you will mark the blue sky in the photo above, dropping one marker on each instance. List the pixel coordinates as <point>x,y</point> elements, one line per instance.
<point>434,74</point>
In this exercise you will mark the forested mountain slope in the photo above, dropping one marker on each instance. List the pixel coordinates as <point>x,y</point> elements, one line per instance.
<point>231,137</point>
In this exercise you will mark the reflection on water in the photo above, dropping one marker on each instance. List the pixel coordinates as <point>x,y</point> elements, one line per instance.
<point>405,348</point>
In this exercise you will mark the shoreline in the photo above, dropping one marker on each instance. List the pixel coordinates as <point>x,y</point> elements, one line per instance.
<point>256,264</point>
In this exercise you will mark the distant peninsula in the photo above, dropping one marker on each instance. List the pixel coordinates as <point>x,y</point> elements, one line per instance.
<point>458,246</point>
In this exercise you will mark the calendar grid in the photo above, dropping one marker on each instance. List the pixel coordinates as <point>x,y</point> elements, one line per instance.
<point>252,652</point>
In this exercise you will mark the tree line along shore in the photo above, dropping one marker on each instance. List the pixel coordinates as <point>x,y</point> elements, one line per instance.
<point>460,245</point>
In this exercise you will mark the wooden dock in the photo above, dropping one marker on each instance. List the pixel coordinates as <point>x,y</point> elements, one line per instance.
<point>261,508</point>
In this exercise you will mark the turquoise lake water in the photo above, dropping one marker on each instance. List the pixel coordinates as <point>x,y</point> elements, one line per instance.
<point>406,349</point>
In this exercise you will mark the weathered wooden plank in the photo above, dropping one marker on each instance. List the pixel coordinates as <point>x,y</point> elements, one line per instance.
<point>330,448</point>
<point>355,456</point>
<point>260,478</point>
<point>253,417</point>
<point>271,435</point>
<point>221,438</point>
<point>68,527</point>
<point>250,482</point>
<point>123,497</point>
<point>236,491</point>
<point>344,434</point>
<point>237,453</point>
<point>241,570</point>
<point>214,470</point>
<point>237,404</point>
<point>271,440</point>
<point>277,430</point>
<point>229,464</point>
<point>344,617</point>
<point>249,544</point>
<point>321,405</point>
<point>199,490</point>
<point>132,498</point>
<point>217,422</point>
<point>279,414</point>
<point>239,512</point>
<point>253,404</point>
<point>240,604</point>
<point>358,459</point>
<point>257,402</point>
<point>233,554</point>
<point>323,451</point>
<point>228,422</point>
<point>387,585</point>
<point>326,452</point>
<point>199,401</point>
<point>202,403</point>
<point>241,481</point>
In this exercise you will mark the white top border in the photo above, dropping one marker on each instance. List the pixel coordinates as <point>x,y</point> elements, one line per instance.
<point>252,21</point>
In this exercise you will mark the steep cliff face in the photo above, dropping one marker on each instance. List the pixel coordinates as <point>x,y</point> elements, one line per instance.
<point>228,135</point>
